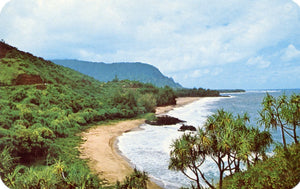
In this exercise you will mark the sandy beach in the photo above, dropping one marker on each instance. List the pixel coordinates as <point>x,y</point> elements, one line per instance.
<point>179,102</point>
<point>99,148</point>
<point>102,153</point>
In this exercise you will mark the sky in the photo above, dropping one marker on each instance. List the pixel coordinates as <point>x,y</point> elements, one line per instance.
<point>217,44</point>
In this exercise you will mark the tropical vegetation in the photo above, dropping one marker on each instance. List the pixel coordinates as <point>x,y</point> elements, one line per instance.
<point>43,108</point>
<point>283,112</point>
<point>137,179</point>
<point>227,140</point>
<point>239,151</point>
<point>194,92</point>
<point>231,90</point>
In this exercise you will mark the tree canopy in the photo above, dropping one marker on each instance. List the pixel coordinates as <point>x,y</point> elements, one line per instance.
<point>232,144</point>
<point>227,140</point>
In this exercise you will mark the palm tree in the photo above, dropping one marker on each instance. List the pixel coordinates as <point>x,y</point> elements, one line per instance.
<point>291,114</point>
<point>188,153</point>
<point>225,138</point>
<point>281,112</point>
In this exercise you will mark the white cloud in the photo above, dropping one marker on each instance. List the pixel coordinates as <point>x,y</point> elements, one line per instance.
<point>258,62</point>
<point>290,53</point>
<point>297,2</point>
<point>170,34</point>
<point>3,3</point>
<point>199,73</point>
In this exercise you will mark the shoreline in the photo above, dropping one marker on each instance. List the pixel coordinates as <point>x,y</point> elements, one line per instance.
<point>181,101</point>
<point>108,161</point>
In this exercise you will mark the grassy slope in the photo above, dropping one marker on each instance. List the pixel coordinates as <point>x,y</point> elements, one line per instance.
<point>16,62</point>
<point>39,122</point>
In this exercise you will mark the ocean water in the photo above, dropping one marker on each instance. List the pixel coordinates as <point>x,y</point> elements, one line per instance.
<point>148,149</point>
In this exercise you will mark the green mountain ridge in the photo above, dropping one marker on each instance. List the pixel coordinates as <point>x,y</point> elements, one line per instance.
<point>136,71</point>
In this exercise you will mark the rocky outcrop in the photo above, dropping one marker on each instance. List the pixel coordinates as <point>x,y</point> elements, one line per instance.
<point>164,120</point>
<point>187,128</point>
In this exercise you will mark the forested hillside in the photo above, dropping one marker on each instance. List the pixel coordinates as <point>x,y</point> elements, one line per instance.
<point>126,70</point>
<point>44,106</point>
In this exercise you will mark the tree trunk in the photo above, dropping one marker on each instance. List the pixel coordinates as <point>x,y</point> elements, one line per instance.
<point>198,180</point>
<point>198,184</point>
<point>203,177</point>
<point>221,180</point>
<point>295,134</point>
<point>283,137</point>
<point>221,169</point>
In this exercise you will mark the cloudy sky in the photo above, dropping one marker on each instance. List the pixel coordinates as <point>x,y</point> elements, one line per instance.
<point>250,44</point>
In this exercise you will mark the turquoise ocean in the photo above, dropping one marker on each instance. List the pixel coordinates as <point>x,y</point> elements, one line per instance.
<point>148,148</point>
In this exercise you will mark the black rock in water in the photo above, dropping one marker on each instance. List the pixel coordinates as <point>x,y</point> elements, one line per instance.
<point>187,127</point>
<point>165,120</point>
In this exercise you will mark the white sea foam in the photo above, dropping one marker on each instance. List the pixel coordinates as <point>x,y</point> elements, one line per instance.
<point>263,91</point>
<point>149,148</point>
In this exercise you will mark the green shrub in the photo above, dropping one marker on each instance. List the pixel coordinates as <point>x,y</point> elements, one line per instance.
<point>18,95</point>
<point>31,143</point>
<point>150,117</point>
<point>147,101</point>
<point>280,171</point>
<point>7,162</point>
<point>37,177</point>
<point>137,180</point>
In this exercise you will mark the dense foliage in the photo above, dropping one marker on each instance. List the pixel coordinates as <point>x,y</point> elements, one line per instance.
<point>43,106</point>
<point>227,140</point>
<point>231,90</point>
<point>230,143</point>
<point>200,92</point>
<point>136,180</point>
<point>282,170</point>
<point>283,112</point>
